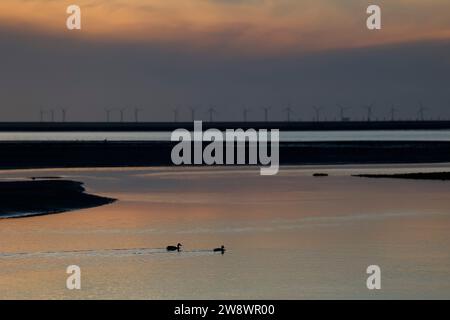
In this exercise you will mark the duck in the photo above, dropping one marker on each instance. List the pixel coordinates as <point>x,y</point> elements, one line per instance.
<point>174,248</point>
<point>221,249</point>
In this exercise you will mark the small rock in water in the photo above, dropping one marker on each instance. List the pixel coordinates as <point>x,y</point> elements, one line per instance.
<point>320,175</point>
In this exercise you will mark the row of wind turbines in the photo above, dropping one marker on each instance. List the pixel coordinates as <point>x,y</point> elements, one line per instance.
<point>51,115</point>
<point>211,112</point>
<point>369,113</point>
<point>176,112</point>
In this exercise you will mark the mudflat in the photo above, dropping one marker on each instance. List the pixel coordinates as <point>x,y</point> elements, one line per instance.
<point>443,176</point>
<point>39,197</point>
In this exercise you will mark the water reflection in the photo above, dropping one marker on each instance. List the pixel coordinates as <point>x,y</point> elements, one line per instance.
<point>287,236</point>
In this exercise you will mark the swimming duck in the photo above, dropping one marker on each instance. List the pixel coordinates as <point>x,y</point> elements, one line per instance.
<point>221,249</point>
<point>174,248</point>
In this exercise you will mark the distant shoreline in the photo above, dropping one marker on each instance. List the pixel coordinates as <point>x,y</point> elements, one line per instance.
<point>442,176</point>
<point>19,199</point>
<point>222,125</point>
<point>64,154</point>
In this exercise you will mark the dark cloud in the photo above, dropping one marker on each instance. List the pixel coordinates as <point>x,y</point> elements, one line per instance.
<point>86,76</point>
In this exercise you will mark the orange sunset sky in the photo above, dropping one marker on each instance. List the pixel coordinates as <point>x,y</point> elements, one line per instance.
<point>164,54</point>
<point>255,26</point>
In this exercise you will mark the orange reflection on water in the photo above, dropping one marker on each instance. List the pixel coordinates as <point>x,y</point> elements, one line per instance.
<point>287,236</point>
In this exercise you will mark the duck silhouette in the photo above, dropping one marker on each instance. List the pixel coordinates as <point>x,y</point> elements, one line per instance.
<point>174,248</point>
<point>221,249</point>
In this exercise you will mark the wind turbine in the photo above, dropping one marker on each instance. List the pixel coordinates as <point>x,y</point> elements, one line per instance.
<point>63,114</point>
<point>52,113</point>
<point>342,111</point>
<point>266,113</point>
<point>175,115</point>
<point>108,114</point>
<point>193,109</point>
<point>211,111</point>
<point>245,113</point>
<point>136,114</point>
<point>41,115</point>
<point>369,111</point>
<point>393,111</point>
<point>288,111</point>
<point>421,111</point>
<point>122,114</point>
<point>317,110</point>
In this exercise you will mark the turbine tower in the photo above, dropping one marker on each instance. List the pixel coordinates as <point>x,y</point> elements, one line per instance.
<point>136,114</point>
<point>108,114</point>
<point>63,114</point>
<point>342,112</point>
<point>369,109</point>
<point>52,115</point>
<point>393,111</point>
<point>193,109</point>
<point>288,111</point>
<point>211,111</point>
<point>245,114</point>
<point>175,115</point>
<point>266,113</point>
<point>41,115</point>
<point>122,114</point>
<point>421,112</point>
<point>317,111</point>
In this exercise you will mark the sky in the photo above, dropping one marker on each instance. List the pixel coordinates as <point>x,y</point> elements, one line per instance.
<point>161,55</point>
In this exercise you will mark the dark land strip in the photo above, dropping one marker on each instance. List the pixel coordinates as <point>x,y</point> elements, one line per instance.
<point>40,197</point>
<point>23,155</point>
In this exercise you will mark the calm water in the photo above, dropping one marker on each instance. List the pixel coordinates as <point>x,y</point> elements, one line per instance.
<point>375,135</point>
<point>288,236</point>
